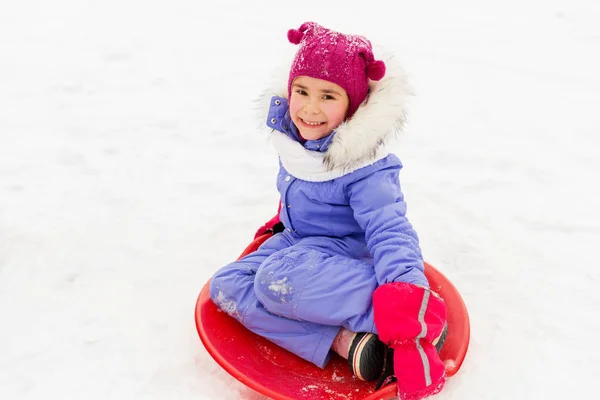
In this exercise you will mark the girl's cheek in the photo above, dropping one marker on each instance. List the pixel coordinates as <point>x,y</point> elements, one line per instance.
<point>336,113</point>
<point>294,105</point>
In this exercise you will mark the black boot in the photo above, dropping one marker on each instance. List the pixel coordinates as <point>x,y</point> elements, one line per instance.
<point>366,356</point>
<point>442,339</point>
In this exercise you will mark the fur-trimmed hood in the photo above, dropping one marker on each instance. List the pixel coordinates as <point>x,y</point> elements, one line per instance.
<point>358,141</point>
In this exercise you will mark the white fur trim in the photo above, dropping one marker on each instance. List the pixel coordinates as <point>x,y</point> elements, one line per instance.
<point>357,142</point>
<point>310,165</point>
<point>277,88</point>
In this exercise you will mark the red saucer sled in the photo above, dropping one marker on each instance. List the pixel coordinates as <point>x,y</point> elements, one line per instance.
<point>280,375</point>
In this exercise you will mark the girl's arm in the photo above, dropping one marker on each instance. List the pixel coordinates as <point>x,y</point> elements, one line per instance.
<point>379,209</point>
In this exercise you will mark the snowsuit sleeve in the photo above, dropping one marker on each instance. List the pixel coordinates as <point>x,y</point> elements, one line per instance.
<point>379,208</point>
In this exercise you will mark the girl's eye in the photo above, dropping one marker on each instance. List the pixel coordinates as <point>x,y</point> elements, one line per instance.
<point>328,97</point>
<point>301,92</point>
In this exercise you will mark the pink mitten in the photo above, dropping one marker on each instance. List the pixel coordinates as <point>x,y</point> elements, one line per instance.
<point>408,318</point>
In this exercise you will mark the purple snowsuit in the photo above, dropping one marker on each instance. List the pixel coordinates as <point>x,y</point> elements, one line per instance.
<point>343,237</point>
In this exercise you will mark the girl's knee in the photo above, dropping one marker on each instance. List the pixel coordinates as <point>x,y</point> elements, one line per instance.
<point>221,279</point>
<point>218,281</point>
<point>235,274</point>
<point>230,285</point>
<point>275,289</point>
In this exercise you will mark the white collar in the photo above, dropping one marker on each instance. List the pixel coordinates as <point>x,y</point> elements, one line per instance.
<point>310,165</point>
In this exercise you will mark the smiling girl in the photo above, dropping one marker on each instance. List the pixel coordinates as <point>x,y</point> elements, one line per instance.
<point>346,272</point>
<point>317,107</point>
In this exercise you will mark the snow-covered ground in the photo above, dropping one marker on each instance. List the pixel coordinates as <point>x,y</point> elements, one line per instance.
<point>131,168</point>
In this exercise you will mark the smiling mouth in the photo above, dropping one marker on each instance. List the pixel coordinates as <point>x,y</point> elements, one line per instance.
<point>312,123</point>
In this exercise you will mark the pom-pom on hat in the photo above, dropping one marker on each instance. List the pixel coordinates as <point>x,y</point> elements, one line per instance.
<point>346,60</point>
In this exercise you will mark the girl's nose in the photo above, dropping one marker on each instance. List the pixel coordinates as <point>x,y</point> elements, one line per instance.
<point>311,107</point>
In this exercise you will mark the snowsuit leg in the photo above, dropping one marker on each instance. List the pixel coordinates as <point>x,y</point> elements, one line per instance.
<point>232,289</point>
<point>322,280</point>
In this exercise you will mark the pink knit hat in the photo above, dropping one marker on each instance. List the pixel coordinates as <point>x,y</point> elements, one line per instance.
<point>346,60</point>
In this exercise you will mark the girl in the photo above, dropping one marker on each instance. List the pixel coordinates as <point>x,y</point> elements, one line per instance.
<point>346,272</point>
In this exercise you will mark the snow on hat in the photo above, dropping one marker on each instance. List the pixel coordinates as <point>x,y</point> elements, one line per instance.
<point>346,60</point>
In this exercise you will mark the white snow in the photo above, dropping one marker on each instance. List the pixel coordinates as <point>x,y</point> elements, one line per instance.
<point>131,168</point>
<point>281,288</point>
<point>226,304</point>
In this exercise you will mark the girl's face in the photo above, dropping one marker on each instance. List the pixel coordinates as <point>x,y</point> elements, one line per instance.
<point>317,107</point>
